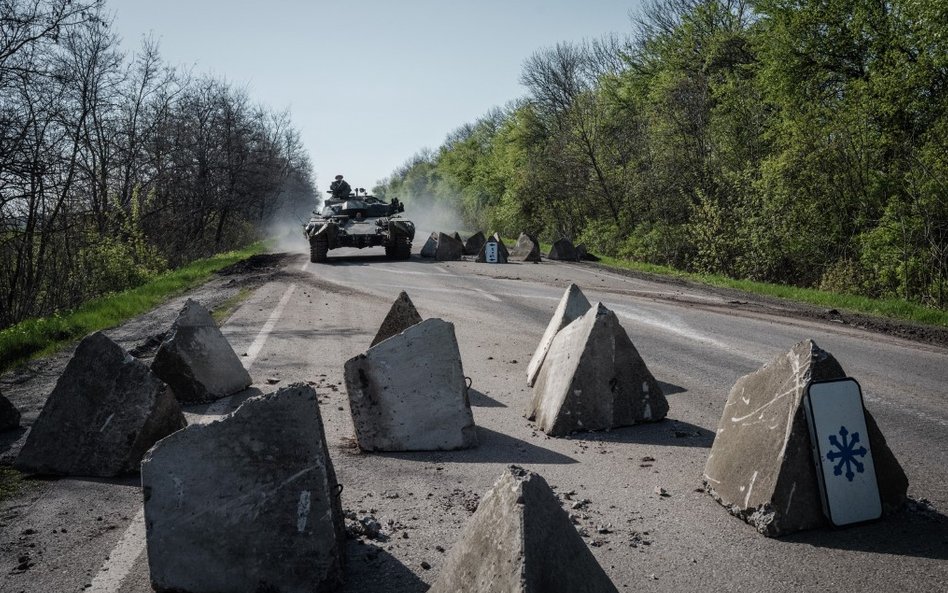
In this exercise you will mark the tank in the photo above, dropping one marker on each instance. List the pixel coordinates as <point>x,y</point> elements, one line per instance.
<point>360,220</point>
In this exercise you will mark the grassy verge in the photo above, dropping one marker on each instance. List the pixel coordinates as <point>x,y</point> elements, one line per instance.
<point>36,337</point>
<point>10,482</point>
<point>222,312</point>
<point>894,308</point>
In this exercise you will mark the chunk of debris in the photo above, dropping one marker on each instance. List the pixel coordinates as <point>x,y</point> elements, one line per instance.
<point>520,540</point>
<point>761,465</point>
<point>572,306</point>
<point>593,378</point>
<point>527,249</point>
<point>563,250</point>
<point>448,248</point>
<point>106,411</point>
<point>408,393</point>
<point>474,243</point>
<point>400,317</point>
<point>247,503</point>
<point>9,415</point>
<point>431,246</point>
<point>197,361</point>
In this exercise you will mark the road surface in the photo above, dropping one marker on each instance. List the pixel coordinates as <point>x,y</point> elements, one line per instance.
<point>308,319</point>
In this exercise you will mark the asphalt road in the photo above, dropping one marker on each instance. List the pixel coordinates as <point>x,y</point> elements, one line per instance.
<point>309,319</point>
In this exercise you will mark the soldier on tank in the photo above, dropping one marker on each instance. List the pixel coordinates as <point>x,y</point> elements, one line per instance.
<point>339,188</point>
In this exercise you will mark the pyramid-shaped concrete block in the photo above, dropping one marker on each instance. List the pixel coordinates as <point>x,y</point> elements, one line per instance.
<point>408,392</point>
<point>247,503</point>
<point>474,243</point>
<point>448,248</point>
<point>593,378</point>
<point>430,248</point>
<point>197,361</point>
<point>457,237</point>
<point>761,466</point>
<point>106,411</point>
<point>401,316</point>
<point>573,305</point>
<point>9,415</point>
<point>493,251</point>
<point>527,249</point>
<point>563,250</point>
<point>520,541</point>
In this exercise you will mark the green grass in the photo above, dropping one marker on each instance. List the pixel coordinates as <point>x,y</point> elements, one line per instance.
<point>223,311</point>
<point>893,308</point>
<point>11,481</point>
<point>37,337</point>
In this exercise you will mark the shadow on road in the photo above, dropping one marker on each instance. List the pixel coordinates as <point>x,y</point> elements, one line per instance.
<point>493,447</point>
<point>671,388</point>
<point>920,534</point>
<point>214,408</point>
<point>480,400</point>
<point>370,568</point>
<point>670,433</point>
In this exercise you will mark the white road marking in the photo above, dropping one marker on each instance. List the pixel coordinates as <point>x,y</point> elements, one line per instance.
<point>123,556</point>
<point>488,295</point>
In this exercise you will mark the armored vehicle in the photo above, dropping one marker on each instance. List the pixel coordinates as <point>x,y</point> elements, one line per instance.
<point>360,220</point>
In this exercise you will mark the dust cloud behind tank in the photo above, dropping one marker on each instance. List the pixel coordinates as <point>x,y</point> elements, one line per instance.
<point>359,220</point>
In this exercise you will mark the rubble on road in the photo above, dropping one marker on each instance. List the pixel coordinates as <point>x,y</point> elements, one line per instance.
<point>593,378</point>
<point>197,361</point>
<point>247,503</point>
<point>474,243</point>
<point>572,306</point>
<point>9,415</point>
<point>106,411</point>
<point>761,466</point>
<point>408,393</point>
<point>527,249</point>
<point>520,540</point>
<point>400,317</point>
<point>431,246</point>
<point>563,250</point>
<point>448,248</point>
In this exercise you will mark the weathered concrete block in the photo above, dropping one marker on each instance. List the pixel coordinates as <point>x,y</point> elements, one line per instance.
<point>563,250</point>
<point>449,248</point>
<point>582,254</point>
<point>400,317</point>
<point>497,246</point>
<point>761,467</point>
<point>520,541</point>
<point>430,248</point>
<point>9,415</point>
<point>246,504</point>
<point>106,410</point>
<point>474,243</point>
<point>527,249</point>
<point>197,361</point>
<point>457,237</point>
<point>573,305</point>
<point>408,393</point>
<point>593,378</point>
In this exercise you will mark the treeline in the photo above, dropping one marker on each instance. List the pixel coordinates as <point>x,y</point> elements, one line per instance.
<point>115,166</point>
<point>800,142</point>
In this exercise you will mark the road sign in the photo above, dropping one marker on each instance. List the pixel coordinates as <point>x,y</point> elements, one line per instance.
<point>490,252</point>
<point>840,442</point>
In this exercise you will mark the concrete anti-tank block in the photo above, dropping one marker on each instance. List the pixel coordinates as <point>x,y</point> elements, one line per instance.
<point>520,541</point>
<point>9,415</point>
<point>527,249</point>
<point>448,248</point>
<point>495,244</point>
<point>573,305</point>
<point>106,411</point>
<point>430,248</point>
<point>593,378</point>
<point>474,243</point>
<point>408,392</point>
<point>563,250</point>
<point>761,467</point>
<point>400,317</point>
<point>197,361</point>
<point>245,504</point>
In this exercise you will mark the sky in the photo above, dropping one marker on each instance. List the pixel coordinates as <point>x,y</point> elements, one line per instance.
<point>368,83</point>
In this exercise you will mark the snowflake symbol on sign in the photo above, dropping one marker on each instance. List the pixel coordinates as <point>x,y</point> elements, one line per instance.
<point>846,454</point>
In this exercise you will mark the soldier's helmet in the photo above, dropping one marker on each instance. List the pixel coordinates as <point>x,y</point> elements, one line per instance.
<point>338,176</point>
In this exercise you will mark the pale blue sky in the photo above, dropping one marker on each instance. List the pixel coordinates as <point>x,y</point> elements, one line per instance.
<point>368,82</point>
